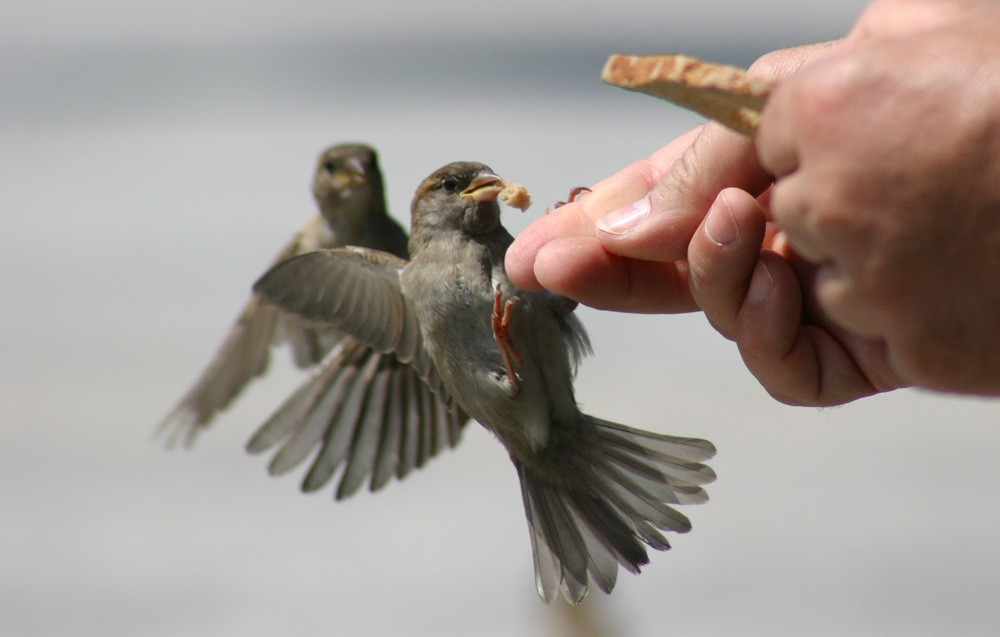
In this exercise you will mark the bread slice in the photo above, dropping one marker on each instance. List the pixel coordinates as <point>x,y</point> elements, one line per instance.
<point>723,93</point>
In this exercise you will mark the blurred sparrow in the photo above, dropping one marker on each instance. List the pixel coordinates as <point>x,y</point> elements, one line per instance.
<point>347,186</point>
<point>594,492</point>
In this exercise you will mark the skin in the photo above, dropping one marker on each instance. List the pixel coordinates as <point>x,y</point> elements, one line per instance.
<point>853,249</point>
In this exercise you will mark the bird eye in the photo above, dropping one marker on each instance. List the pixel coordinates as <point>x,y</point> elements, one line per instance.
<point>329,167</point>
<point>450,185</point>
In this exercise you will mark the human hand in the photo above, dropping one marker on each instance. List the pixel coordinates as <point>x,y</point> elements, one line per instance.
<point>755,291</point>
<point>583,249</point>
<point>886,154</point>
<point>643,270</point>
<point>580,250</point>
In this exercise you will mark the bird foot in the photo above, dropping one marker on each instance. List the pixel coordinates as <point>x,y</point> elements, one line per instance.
<point>508,352</point>
<point>573,194</point>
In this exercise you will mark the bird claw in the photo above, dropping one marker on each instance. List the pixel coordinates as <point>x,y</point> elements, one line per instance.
<point>573,194</point>
<point>508,352</point>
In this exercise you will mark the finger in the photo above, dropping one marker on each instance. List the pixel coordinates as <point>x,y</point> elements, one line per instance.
<point>578,267</point>
<point>869,351</point>
<point>659,226</point>
<point>577,219</point>
<point>777,150</point>
<point>722,257</point>
<point>849,305</point>
<point>797,364</point>
<point>565,222</point>
<point>791,207</point>
<point>778,64</point>
<point>634,181</point>
<point>777,132</point>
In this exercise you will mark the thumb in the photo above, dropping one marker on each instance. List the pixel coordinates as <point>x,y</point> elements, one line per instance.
<point>659,226</point>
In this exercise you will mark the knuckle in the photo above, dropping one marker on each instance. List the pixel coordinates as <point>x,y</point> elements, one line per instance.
<point>822,92</point>
<point>775,64</point>
<point>685,171</point>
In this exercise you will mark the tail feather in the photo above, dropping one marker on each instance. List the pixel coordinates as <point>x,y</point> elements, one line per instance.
<point>642,465</point>
<point>657,482</point>
<point>570,540</point>
<point>616,502</point>
<point>604,556</point>
<point>566,542</point>
<point>677,447</point>
<point>638,504</point>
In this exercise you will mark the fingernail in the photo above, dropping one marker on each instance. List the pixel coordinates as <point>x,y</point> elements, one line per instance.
<point>625,220</point>
<point>721,225</point>
<point>761,284</point>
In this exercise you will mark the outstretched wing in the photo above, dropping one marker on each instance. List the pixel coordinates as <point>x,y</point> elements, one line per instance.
<point>245,354</point>
<point>366,411</point>
<point>356,291</point>
<point>375,405</point>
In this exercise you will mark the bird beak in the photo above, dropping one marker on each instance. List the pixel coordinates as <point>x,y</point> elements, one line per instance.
<point>356,166</point>
<point>352,177</point>
<point>485,187</point>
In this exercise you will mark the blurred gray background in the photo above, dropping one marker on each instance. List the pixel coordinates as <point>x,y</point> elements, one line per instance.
<point>154,157</point>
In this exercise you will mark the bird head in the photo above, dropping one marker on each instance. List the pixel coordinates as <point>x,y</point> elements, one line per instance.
<point>348,183</point>
<point>460,196</point>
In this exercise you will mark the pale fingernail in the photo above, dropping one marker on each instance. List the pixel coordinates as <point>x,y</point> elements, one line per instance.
<point>761,284</point>
<point>626,219</point>
<point>721,225</point>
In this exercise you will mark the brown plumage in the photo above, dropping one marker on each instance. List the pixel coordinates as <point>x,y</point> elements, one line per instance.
<point>595,492</point>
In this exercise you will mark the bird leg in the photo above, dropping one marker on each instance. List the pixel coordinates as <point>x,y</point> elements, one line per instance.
<point>509,353</point>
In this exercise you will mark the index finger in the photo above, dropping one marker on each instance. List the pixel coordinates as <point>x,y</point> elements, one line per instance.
<point>577,219</point>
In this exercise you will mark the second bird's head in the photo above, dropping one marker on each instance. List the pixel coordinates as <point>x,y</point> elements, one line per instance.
<point>348,181</point>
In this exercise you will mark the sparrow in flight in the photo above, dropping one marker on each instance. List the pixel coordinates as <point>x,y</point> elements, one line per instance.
<point>595,493</point>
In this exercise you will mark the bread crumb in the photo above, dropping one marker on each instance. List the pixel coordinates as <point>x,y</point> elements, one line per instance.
<point>515,195</point>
